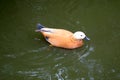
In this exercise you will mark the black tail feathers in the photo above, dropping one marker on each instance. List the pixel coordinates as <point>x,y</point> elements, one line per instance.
<point>39,26</point>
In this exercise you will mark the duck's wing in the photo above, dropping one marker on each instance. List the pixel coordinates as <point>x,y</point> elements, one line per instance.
<point>49,33</point>
<point>55,33</point>
<point>47,30</point>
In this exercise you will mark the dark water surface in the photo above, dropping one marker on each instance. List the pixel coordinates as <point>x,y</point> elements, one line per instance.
<point>22,57</point>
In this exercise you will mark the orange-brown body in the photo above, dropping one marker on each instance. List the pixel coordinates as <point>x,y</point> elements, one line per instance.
<point>61,38</point>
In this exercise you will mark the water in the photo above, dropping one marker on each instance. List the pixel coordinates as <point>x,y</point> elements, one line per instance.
<point>25,55</point>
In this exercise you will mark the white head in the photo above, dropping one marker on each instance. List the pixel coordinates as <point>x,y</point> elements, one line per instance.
<point>79,35</point>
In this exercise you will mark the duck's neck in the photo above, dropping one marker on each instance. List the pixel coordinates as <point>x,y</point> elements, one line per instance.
<point>74,40</point>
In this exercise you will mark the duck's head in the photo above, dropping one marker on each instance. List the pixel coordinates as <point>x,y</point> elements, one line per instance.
<point>80,35</point>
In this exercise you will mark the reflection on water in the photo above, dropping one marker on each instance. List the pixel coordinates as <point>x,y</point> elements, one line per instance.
<point>25,55</point>
<point>60,69</point>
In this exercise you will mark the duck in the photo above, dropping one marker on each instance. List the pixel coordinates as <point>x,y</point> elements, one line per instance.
<point>61,37</point>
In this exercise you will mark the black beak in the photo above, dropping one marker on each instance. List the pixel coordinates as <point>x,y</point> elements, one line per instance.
<point>86,38</point>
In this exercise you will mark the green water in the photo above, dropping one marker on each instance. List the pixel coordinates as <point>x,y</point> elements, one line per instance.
<point>22,57</point>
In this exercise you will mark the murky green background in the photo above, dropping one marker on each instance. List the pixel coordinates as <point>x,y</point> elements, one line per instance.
<point>22,57</point>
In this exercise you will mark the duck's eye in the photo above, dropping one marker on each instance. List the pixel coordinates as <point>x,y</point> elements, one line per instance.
<point>81,35</point>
